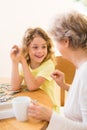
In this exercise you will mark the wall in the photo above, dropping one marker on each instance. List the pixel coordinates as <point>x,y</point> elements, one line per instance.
<point>16,16</point>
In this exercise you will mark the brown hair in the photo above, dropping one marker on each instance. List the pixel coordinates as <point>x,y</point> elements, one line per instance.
<point>30,34</point>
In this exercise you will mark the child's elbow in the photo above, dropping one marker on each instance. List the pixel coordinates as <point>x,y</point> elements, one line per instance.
<point>33,88</point>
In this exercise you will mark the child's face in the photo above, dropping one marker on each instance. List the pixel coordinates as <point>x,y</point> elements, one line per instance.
<point>37,50</point>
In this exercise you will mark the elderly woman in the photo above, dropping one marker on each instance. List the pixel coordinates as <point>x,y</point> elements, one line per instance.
<point>70,32</point>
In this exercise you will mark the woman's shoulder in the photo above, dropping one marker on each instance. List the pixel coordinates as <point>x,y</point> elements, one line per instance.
<point>83,69</point>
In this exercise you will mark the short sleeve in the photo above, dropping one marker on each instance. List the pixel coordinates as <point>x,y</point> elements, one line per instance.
<point>46,69</point>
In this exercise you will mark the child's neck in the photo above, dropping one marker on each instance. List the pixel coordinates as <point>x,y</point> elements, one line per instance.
<point>34,65</point>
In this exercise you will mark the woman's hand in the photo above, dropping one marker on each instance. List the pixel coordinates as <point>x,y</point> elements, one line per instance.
<point>59,78</point>
<point>39,112</point>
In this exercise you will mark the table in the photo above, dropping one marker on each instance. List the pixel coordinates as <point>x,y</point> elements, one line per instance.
<point>31,124</point>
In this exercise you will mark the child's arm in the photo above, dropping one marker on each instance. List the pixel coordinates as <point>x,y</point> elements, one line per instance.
<point>15,78</point>
<point>31,82</point>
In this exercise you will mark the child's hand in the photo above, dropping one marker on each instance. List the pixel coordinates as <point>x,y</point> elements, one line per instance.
<point>15,49</point>
<point>16,53</point>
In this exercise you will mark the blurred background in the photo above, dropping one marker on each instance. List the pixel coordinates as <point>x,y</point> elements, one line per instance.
<point>18,15</point>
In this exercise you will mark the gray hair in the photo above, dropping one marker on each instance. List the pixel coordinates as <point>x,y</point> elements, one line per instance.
<point>72,25</point>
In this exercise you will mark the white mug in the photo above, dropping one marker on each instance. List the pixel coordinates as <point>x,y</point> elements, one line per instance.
<point>20,107</point>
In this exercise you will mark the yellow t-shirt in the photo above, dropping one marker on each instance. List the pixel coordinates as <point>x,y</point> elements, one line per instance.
<point>49,86</point>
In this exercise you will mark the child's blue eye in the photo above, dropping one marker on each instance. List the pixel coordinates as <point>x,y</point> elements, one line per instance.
<point>35,47</point>
<point>44,47</point>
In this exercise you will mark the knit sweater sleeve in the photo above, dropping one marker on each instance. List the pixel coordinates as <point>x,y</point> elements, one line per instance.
<point>59,122</point>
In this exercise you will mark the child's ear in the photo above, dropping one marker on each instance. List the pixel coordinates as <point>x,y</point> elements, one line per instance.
<point>66,42</point>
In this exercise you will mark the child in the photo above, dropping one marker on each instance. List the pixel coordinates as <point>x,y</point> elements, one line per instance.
<point>36,58</point>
